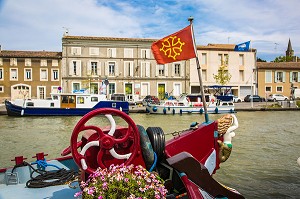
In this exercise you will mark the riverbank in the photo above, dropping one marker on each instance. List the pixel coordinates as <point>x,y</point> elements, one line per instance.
<point>243,106</point>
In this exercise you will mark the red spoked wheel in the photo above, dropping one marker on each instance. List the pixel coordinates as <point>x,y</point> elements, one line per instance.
<point>106,141</point>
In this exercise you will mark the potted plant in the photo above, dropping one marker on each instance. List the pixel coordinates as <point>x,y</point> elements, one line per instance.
<point>123,182</point>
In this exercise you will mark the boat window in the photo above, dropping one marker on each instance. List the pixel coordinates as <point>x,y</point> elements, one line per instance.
<point>55,97</point>
<point>225,103</point>
<point>80,100</point>
<point>230,103</point>
<point>94,99</point>
<point>51,104</point>
<point>29,104</point>
<point>64,99</point>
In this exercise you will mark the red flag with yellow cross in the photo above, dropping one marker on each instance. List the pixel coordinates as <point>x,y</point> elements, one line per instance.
<point>175,47</point>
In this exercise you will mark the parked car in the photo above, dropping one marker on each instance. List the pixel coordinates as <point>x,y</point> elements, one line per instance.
<point>236,99</point>
<point>277,97</point>
<point>254,98</point>
<point>150,99</point>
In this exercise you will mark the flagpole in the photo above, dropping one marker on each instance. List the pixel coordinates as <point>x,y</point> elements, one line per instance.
<point>190,19</point>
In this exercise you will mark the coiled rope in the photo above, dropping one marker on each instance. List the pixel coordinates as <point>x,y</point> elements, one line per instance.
<point>47,178</point>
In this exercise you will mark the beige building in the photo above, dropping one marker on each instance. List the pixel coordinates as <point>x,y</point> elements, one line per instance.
<point>126,63</point>
<point>241,65</point>
<point>277,78</point>
<point>29,74</point>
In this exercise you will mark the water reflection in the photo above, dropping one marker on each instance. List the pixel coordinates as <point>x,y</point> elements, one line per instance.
<point>263,163</point>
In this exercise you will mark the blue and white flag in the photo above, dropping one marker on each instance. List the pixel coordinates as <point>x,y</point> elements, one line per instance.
<point>242,46</point>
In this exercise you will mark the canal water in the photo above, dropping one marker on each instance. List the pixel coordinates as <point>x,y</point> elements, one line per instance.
<point>263,163</point>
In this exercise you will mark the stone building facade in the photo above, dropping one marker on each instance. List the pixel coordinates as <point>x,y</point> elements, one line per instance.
<point>29,74</point>
<point>126,63</point>
<point>241,65</point>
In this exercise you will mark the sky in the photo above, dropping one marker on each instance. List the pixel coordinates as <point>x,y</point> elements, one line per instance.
<point>33,25</point>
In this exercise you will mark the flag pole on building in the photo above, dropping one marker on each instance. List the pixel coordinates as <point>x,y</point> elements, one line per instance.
<point>190,19</point>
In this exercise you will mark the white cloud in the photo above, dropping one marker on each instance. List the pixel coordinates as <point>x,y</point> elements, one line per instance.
<point>36,25</point>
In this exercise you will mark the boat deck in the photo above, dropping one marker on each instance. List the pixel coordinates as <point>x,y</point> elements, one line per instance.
<point>13,190</point>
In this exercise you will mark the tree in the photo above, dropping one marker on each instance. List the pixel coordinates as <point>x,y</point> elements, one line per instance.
<point>260,60</point>
<point>283,59</point>
<point>223,76</point>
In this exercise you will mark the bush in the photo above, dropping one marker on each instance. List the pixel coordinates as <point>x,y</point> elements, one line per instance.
<point>123,182</point>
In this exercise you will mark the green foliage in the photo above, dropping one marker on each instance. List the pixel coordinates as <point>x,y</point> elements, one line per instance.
<point>260,60</point>
<point>122,182</point>
<point>283,59</point>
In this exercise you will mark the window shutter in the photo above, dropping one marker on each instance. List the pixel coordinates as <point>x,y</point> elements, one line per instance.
<point>275,76</point>
<point>283,76</point>
<point>113,52</point>
<point>156,70</point>
<point>116,69</point>
<point>71,68</point>
<point>166,70</point>
<point>173,70</point>
<point>147,53</point>
<point>291,76</point>
<point>147,69</point>
<point>99,68</point>
<point>78,68</point>
<point>298,77</point>
<point>106,66</point>
<point>89,68</point>
<point>131,69</point>
<point>182,66</point>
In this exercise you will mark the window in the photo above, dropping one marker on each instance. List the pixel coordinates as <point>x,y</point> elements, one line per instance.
<point>268,89</point>
<point>94,68</point>
<point>242,76</point>
<point>268,76</point>
<point>128,53</point>
<point>13,61</point>
<point>279,89</point>
<point>145,53</point>
<point>80,100</point>
<point>41,92</point>
<point>76,87</point>
<point>13,74</point>
<point>27,74</point>
<point>27,62</point>
<point>94,99</point>
<point>54,62</point>
<point>55,75</point>
<point>294,77</point>
<point>43,62</point>
<point>279,76</point>
<point>74,67</point>
<point>241,60</point>
<point>1,74</point>
<point>204,59</point>
<point>94,51</point>
<point>76,51</point>
<point>1,89</point>
<point>111,52</point>
<point>43,74</point>
<point>161,70</point>
<point>220,59</point>
<point>112,88</point>
<point>145,69</point>
<point>128,68</point>
<point>111,68</point>
<point>177,70</point>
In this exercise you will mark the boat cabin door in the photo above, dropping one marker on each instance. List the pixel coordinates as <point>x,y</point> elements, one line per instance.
<point>68,101</point>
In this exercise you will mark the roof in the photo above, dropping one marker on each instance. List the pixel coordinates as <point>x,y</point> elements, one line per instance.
<point>228,47</point>
<point>108,38</point>
<point>278,65</point>
<point>30,54</point>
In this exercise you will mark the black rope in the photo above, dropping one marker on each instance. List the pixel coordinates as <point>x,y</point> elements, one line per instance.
<point>48,178</point>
